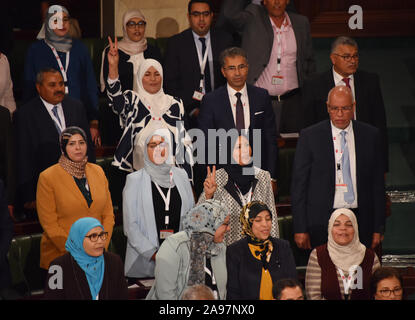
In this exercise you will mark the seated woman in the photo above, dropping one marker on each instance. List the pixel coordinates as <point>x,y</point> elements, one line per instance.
<point>71,189</point>
<point>235,187</point>
<point>193,256</point>
<point>258,260</point>
<point>156,198</point>
<point>342,268</point>
<point>86,272</point>
<point>386,284</point>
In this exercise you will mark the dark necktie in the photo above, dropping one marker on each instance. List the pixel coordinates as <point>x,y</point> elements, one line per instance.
<point>55,113</point>
<point>240,121</point>
<point>347,82</point>
<point>208,86</point>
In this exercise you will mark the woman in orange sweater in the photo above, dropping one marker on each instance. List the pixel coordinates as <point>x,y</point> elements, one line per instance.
<point>70,190</point>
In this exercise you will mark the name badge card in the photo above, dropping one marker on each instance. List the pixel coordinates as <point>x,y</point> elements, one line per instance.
<point>277,80</point>
<point>164,234</point>
<point>197,95</point>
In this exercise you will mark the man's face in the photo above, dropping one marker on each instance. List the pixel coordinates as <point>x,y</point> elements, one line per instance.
<point>276,8</point>
<point>52,88</point>
<point>341,109</point>
<point>235,71</point>
<point>200,18</point>
<point>345,59</point>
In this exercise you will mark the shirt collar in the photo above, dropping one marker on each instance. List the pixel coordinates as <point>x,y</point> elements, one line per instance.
<point>287,20</point>
<point>336,131</point>
<point>339,78</point>
<point>196,36</point>
<point>48,105</point>
<point>232,91</point>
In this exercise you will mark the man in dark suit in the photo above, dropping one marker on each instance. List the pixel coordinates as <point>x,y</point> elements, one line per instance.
<point>241,106</point>
<point>365,87</point>
<point>337,165</point>
<point>279,48</point>
<point>39,124</point>
<point>184,55</point>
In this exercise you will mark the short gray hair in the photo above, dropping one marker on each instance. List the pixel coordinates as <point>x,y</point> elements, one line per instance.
<point>232,52</point>
<point>39,75</point>
<point>343,40</point>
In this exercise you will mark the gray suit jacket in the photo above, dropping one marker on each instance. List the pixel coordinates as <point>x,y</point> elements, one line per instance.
<point>254,24</point>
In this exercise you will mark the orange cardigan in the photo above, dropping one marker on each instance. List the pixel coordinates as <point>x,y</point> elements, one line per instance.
<point>60,203</point>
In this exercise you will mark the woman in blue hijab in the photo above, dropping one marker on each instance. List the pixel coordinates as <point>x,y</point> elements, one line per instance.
<point>86,272</point>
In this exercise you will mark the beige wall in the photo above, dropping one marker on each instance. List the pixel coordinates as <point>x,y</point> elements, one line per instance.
<point>154,11</point>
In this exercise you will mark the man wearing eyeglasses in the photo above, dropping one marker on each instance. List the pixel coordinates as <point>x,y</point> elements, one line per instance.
<point>365,88</point>
<point>191,66</point>
<point>337,165</point>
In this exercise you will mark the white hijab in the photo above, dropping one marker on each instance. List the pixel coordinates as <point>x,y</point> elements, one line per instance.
<point>348,255</point>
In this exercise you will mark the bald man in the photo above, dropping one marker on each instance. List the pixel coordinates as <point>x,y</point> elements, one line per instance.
<point>337,165</point>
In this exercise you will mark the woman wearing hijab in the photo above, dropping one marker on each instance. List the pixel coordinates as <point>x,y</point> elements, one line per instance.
<point>155,200</point>
<point>71,189</point>
<point>238,183</point>
<point>257,260</point>
<point>86,271</point>
<point>195,255</point>
<point>59,51</point>
<point>342,268</point>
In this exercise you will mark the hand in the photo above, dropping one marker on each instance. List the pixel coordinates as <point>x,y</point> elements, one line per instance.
<point>302,240</point>
<point>96,138</point>
<point>153,257</point>
<point>376,239</point>
<point>11,210</point>
<point>30,205</point>
<point>113,58</point>
<point>195,112</point>
<point>210,185</point>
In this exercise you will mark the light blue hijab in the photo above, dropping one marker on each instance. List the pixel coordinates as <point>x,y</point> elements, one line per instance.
<point>92,266</point>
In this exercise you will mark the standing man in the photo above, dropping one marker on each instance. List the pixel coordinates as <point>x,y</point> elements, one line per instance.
<point>279,48</point>
<point>191,65</point>
<point>337,165</point>
<point>365,88</point>
<point>242,106</point>
<point>39,125</point>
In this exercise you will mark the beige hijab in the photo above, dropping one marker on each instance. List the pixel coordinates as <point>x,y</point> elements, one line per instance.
<point>351,254</point>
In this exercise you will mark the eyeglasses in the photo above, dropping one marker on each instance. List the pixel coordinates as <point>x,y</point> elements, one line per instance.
<point>94,236</point>
<point>197,14</point>
<point>132,24</point>
<point>347,57</point>
<point>241,67</point>
<point>387,292</point>
<point>343,109</point>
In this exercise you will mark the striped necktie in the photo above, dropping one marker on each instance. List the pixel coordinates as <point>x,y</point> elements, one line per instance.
<point>55,113</point>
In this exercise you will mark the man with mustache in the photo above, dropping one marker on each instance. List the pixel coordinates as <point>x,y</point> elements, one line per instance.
<point>39,125</point>
<point>365,87</point>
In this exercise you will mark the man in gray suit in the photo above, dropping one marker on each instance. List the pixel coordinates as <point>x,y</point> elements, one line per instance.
<point>279,48</point>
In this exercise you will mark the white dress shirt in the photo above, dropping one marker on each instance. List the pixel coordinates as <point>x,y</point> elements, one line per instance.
<point>339,194</point>
<point>245,103</point>
<point>338,81</point>
<point>49,108</point>
<point>210,55</point>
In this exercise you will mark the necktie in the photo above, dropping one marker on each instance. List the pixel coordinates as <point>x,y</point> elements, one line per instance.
<point>240,121</point>
<point>208,86</point>
<point>55,113</point>
<point>347,82</point>
<point>347,177</point>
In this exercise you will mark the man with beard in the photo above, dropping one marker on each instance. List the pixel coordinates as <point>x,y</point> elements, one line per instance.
<point>39,125</point>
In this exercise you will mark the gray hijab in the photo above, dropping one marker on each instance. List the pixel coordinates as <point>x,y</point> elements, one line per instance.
<point>160,173</point>
<point>62,44</point>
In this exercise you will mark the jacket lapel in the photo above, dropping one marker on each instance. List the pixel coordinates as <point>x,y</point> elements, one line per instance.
<point>45,119</point>
<point>228,115</point>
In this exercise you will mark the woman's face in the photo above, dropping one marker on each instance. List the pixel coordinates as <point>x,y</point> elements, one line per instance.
<point>60,24</point>
<point>157,150</point>
<point>135,29</point>
<point>261,225</point>
<point>152,80</point>
<point>221,231</point>
<point>389,289</point>
<point>242,151</point>
<point>91,248</point>
<point>76,148</point>
<point>342,230</point>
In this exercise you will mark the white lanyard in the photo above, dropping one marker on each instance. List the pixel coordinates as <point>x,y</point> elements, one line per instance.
<point>279,45</point>
<point>166,199</point>
<point>347,281</point>
<point>243,199</point>
<point>63,70</point>
<point>202,62</point>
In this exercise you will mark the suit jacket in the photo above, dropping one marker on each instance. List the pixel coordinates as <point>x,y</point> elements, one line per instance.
<point>38,141</point>
<point>254,24</point>
<point>60,203</point>
<point>369,102</point>
<point>7,154</point>
<point>313,182</point>
<point>216,113</point>
<point>244,270</point>
<point>75,285</point>
<point>6,235</point>
<point>182,69</point>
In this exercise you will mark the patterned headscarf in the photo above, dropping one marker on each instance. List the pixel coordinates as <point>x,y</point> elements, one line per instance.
<point>75,169</point>
<point>247,216</point>
<point>62,44</point>
<point>201,223</point>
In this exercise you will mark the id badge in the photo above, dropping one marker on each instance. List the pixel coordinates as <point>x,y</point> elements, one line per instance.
<point>277,80</point>
<point>341,187</point>
<point>164,234</point>
<point>197,95</point>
